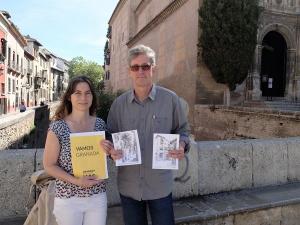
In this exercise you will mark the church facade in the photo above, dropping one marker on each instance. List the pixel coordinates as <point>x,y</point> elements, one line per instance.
<point>275,70</point>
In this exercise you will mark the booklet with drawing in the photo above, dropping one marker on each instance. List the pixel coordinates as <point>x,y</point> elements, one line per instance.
<point>87,157</point>
<point>128,142</point>
<point>162,143</point>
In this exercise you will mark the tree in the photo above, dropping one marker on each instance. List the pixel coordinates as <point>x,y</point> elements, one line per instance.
<point>228,40</point>
<point>104,101</point>
<point>80,66</point>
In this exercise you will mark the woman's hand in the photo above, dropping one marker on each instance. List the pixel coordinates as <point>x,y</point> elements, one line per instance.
<point>87,181</point>
<point>106,146</point>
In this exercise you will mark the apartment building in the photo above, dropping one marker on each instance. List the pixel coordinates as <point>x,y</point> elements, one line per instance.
<point>27,84</point>
<point>2,67</point>
<point>14,64</point>
<point>28,71</point>
<point>57,74</point>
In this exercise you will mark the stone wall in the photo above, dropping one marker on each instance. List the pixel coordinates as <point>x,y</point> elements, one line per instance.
<point>12,130</point>
<point>14,127</point>
<point>219,123</point>
<point>213,166</point>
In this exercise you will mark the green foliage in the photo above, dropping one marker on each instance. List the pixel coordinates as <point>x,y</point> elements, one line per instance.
<point>228,40</point>
<point>104,101</point>
<point>80,66</point>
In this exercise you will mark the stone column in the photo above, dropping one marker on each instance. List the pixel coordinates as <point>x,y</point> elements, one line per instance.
<point>290,75</point>
<point>256,92</point>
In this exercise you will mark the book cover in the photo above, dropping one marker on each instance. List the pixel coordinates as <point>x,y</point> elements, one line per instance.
<point>87,157</point>
<point>128,142</point>
<point>162,143</point>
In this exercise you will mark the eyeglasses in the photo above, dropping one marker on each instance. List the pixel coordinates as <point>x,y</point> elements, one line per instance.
<point>144,67</point>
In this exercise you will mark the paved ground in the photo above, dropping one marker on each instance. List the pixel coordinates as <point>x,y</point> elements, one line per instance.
<point>217,205</point>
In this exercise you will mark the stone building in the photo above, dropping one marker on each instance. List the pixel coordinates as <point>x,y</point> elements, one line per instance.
<point>12,64</point>
<point>41,70</point>
<point>277,52</point>
<point>171,28</point>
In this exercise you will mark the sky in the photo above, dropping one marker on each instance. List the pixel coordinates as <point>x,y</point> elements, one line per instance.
<point>67,28</point>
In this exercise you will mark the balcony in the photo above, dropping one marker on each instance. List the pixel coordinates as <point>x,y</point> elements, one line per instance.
<point>12,65</point>
<point>23,72</point>
<point>38,75</point>
<point>29,71</point>
<point>37,83</point>
<point>44,75</point>
<point>2,57</point>
<point>26,85</point>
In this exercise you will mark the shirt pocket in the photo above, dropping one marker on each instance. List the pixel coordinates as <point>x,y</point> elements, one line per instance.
<point>160,125</point>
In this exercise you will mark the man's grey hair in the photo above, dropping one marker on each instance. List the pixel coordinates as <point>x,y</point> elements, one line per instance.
<point>141,50</point>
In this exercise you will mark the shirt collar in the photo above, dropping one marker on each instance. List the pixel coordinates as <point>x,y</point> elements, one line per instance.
<point>151,95</point>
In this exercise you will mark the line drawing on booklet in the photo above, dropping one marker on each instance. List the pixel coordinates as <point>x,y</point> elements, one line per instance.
<point>128,142</point>
<point>162,143</point>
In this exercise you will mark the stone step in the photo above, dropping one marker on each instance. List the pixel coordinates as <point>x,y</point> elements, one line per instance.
<point>279,105</point>
<point>275,203</point>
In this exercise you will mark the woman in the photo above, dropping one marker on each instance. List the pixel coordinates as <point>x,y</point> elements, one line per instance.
<point>82,200</point>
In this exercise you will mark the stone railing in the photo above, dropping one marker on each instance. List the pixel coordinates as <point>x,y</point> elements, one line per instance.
<point>15,126</point>
<point>14,129</point>
<point>213,166</point>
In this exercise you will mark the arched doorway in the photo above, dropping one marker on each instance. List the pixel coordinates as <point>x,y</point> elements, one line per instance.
<point>273,65</point>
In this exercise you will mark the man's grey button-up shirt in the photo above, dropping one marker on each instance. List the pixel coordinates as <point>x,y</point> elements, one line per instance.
<point>161,112</point>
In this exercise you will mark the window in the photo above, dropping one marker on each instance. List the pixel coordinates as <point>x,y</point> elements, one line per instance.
<point>22,65</point>
<point>9,53</point>
<point>14,60</point>
<point>107,75</point>
<point>14,86</point>
<point>3,47</point>
<point>2,88</point>
<point>9,87</point>
<point>17,62</point>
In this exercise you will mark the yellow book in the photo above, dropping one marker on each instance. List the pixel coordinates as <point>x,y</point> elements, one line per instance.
<point>87,156</point>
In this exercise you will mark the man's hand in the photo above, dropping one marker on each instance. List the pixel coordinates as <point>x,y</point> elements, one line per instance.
<point>109,149</point>
<point>106,146</point>
<point>177,153</point>
<point>116,154</point>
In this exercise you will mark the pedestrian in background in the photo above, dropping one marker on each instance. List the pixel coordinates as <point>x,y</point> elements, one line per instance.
<point>270,86</point>
<point>22,106</point>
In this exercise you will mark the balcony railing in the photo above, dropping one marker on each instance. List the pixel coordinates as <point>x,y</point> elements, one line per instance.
<point>29,71</point>
<point>44,75</point>
<point>26,85</point>
<point>37,82</point>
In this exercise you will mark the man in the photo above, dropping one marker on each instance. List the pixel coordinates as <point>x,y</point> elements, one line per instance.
<point>148,109</point>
